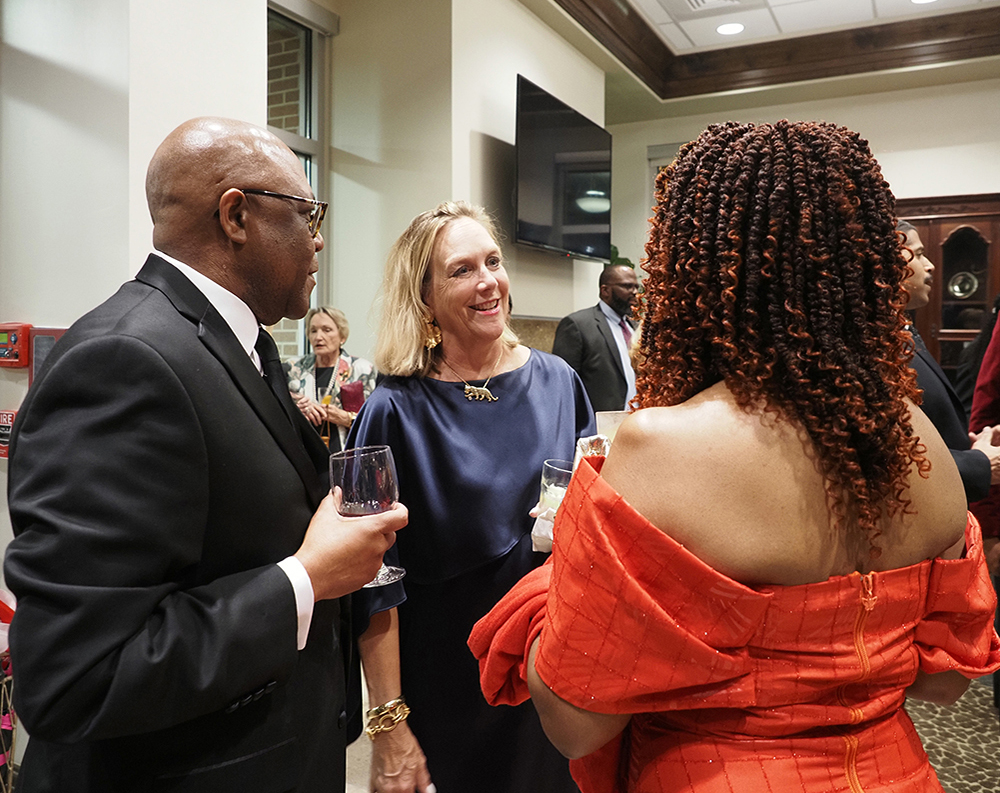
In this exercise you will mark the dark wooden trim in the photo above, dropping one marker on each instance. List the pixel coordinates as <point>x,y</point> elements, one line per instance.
<point>920,42</point>
<point>936,218</point>
<point>987,204</point>
<point>954,334</point>
<point>626,36</point>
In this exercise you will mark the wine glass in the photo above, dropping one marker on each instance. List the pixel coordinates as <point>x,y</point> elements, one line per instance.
<point>366,477</point>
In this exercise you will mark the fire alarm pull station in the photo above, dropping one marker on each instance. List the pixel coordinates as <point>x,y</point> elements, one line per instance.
<point>15,349</point>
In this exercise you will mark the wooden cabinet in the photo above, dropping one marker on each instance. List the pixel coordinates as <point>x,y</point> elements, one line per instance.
<point>961,236</point>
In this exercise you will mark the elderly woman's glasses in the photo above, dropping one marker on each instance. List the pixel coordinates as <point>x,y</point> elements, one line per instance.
<point>315,217</point>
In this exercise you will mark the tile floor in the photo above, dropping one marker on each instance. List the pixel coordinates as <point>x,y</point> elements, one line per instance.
<point>359,756</point>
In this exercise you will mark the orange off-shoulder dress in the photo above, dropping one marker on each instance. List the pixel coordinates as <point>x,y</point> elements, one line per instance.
<point>735,689</point>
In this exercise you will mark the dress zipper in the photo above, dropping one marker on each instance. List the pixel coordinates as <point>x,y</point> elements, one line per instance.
<point>868,600</point>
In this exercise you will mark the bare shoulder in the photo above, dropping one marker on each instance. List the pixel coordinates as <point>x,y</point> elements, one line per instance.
<point>935,524</point>
<point>739,488</point>
<point>709,432</point>
<point>742,490</point>
<point>655,445</point>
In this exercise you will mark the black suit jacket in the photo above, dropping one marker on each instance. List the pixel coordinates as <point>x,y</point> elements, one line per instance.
<point>585,342</point>
<point>154,482</point>
<point>944,409</point>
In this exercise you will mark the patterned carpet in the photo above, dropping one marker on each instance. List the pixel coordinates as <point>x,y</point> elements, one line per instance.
<point>963,740</point>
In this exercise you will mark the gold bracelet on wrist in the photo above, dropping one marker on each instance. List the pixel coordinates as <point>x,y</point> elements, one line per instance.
<point>385,717</point>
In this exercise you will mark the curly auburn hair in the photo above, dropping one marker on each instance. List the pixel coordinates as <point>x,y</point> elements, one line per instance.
<point>774,266</point>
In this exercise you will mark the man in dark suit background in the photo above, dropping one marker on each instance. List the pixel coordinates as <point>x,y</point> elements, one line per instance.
<point>978,460</point>
<point>595,341</point>
<point>178,560</point>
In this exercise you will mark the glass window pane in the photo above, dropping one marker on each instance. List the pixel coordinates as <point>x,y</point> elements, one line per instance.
<point>964,276</point>
<point>307,166</point>
<point>289,77</point>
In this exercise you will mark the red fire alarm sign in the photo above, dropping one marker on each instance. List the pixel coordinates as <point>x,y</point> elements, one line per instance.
<point>6,423</point>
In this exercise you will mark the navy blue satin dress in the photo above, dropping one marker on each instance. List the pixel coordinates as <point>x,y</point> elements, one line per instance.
<point>469,473</point>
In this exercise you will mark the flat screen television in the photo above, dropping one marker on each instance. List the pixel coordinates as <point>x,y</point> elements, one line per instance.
<point>563,177</point>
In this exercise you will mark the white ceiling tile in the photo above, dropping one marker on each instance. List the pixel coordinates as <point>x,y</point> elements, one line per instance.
<point>817,15</point>
<point>774,3</point>
<point>886,9</point>
<point>653,11</point>
<point>675,38</point>
<point>759,24</point>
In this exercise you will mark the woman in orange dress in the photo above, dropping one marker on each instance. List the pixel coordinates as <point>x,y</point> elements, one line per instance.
<point>776,552</point>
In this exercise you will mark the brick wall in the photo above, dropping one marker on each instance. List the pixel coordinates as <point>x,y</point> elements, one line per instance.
<point>286,73</point>
<point>286,335</point>
<point>286,92</point>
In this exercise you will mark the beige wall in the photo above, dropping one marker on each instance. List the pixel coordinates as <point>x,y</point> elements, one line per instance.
<point>390,151</point>
<point>423,110</point>
<point>934,141</point>
<point>87,91</point>
<point>492,42</point>
<point>64,160</point>
<point>188,58</point>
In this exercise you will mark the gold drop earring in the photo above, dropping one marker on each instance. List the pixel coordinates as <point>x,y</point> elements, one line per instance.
<point>433,335</point>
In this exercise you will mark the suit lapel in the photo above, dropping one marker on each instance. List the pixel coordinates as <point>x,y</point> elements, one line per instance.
<point>609,338</point>
<point>218,338</point>
<point>935,367</point>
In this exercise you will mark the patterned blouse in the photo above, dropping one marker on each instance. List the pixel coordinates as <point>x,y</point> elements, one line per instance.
<point>302,380</point>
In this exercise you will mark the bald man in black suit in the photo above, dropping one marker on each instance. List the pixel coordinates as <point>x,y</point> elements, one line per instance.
<point>179,564</point>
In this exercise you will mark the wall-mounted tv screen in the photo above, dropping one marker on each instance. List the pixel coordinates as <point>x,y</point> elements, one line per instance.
<point>563,177</point>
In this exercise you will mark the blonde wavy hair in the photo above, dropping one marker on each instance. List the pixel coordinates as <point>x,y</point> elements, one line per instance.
<point>400,348</point>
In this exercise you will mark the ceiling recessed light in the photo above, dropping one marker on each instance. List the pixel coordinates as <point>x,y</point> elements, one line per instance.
<point>922,2</point>
<point>730,29</point>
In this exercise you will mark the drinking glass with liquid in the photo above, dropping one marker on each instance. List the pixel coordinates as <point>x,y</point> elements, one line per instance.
<point>555,479</point>
<point>366,477</point>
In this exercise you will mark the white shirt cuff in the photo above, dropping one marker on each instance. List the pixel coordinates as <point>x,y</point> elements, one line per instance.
<point>304,595</point>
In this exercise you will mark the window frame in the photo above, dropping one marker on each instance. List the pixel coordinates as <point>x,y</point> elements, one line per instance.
<point>323,24</point>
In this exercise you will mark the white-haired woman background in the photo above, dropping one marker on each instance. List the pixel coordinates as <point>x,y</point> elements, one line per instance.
<point>322,381</point>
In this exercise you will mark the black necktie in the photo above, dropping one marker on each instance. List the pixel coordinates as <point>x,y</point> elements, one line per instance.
<point>274,374</point>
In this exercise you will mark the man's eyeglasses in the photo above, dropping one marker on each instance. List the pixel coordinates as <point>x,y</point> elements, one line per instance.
<point>315,217</point>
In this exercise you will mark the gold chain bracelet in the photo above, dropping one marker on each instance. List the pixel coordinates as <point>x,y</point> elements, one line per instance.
<point>385,717</point>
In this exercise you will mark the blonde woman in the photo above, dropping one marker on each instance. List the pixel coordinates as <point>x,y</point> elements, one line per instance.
<point>470,415</point>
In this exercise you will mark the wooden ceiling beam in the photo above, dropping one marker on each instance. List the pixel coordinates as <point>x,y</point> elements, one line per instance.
<point>927,41</point>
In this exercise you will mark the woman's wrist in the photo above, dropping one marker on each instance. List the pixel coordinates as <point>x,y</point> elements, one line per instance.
<point>386,717</point>
<point>339,416</point>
